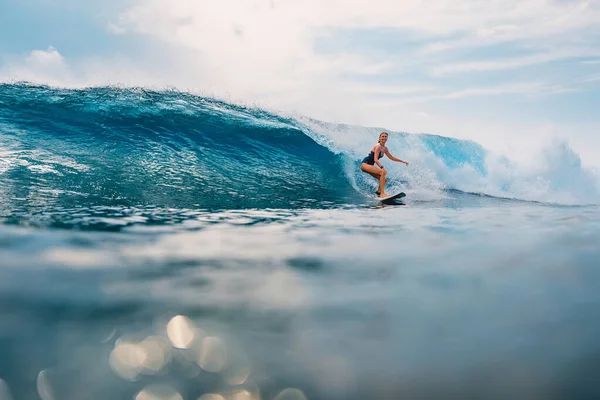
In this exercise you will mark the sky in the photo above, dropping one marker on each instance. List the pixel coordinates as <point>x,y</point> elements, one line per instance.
<point>511,75</point>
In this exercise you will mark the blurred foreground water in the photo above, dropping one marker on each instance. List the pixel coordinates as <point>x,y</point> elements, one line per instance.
<point>468,298</point>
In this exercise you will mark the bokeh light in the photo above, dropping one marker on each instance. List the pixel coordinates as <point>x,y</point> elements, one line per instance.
<point>238,374</point>
<point>211,396</point>
<point>127,359</point>
<point>212,356</point>
<point>242,395</point>
<point>5,391</point>
<point>44,387</point>
<point>290,394</point>
<point>157,354</point>
<point>181,332</point>
<point>158,392</point>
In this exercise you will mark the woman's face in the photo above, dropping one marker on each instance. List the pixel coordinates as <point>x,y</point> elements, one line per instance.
<point>383,138</point>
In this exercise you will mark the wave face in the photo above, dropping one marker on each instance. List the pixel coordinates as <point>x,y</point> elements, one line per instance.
<point>103,147</point>
<point>109,146</point>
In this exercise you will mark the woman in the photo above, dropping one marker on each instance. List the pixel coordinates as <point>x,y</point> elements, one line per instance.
<point>368,163</point>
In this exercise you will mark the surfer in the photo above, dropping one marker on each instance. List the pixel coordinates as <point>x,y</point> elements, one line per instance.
<point>368,163</point>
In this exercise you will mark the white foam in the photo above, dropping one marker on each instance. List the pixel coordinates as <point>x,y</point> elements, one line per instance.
<point>554,175</point>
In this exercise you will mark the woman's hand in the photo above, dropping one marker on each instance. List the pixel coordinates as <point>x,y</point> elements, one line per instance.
<point>405,162</point>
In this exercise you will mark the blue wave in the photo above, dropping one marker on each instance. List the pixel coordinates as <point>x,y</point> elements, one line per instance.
<point>456,153</point>
<point>133,147</point>
<point>110,146</point>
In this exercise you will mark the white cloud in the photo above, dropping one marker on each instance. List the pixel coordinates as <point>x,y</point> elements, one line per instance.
<point>264,52</point>
<point>524,88</point>
<point>47,66</point>
<point>388,89</point>
<point>262,47</point>
<point>52,68</point>
<point>591,78</point>
<point>50,58</point>
<point>513,63</point>
<point>536,22</point>
<point>529,89</point>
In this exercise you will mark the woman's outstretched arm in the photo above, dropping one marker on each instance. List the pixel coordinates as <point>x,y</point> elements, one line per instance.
<point>391,157</point>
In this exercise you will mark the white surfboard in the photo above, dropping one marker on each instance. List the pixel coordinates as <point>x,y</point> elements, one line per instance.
<point>392,199</point>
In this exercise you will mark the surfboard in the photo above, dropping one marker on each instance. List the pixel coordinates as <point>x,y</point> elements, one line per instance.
<point>392,199</point>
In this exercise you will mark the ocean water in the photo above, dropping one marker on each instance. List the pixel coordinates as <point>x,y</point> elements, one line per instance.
<point>157,245</point>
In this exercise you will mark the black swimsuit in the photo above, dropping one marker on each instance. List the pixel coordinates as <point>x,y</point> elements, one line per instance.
<point>370,159</point>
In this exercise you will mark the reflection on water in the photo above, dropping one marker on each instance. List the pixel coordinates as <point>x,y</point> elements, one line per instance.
<point>350,303</point>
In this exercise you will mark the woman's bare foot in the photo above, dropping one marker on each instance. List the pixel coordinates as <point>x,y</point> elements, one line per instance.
<point>384,195</point>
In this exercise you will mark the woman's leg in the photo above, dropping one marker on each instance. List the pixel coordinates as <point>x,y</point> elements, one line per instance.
<point>377,173</point>
<point>382,182</point>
